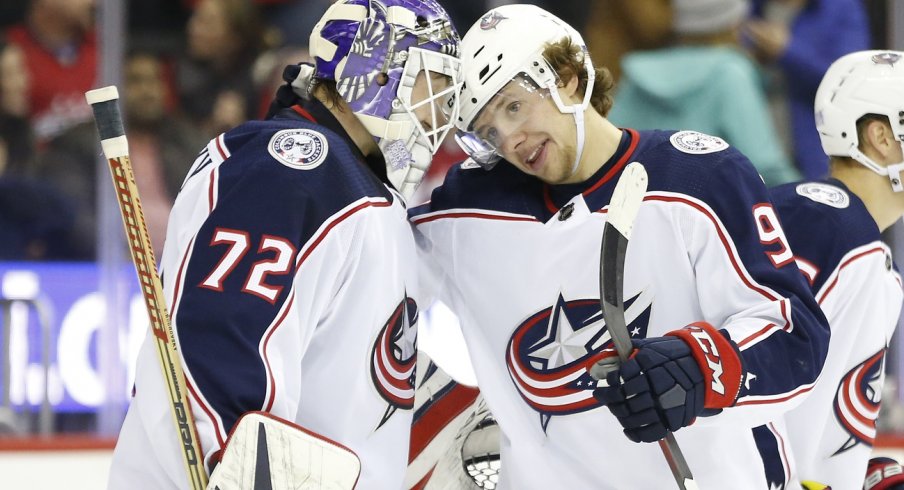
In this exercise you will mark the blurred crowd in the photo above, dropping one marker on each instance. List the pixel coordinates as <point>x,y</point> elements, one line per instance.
<point>744,70</point>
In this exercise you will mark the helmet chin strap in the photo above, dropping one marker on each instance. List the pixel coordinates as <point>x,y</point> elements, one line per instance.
<point>893,171</point>
<point>576,110</point>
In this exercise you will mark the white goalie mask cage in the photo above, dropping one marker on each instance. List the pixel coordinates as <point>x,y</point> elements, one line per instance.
<point>856,85</point>
<point>506,42</point>
<point>375,50</point>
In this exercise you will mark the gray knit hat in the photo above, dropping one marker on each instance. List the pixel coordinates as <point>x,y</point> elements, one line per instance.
<point>707,16</point>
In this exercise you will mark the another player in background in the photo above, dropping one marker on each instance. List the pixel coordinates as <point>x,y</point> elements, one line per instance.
<point>718,310</point>
<point>289,264</point>
<point>833,227</point>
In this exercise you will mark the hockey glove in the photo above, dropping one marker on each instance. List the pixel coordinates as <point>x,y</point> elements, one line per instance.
<point>670,380</point>
<point>884,474</point>
<point>296,88</point>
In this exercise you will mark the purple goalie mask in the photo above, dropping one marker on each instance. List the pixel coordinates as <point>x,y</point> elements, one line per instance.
<point>374,51</point>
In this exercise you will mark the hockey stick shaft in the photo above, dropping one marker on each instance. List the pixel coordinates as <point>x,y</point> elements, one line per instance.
<point>104,102</point>
<point>623,208</point>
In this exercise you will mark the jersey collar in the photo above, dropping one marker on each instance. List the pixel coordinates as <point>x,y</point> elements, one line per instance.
<point>555,196</point>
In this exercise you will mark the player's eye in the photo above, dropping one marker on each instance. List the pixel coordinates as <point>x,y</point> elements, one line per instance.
<point>514,107</point>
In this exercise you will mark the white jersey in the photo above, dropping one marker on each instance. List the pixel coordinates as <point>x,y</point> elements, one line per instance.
<point>518,261</point>
<point>290,278</point>
<point>839,250</point>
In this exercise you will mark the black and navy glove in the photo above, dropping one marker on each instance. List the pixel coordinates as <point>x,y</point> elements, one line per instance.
<point>294,91</point>
<point>883,474</point>
<point>670,380</point>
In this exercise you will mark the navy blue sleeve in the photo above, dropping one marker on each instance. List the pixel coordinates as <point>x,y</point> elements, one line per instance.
<point>784,361</point>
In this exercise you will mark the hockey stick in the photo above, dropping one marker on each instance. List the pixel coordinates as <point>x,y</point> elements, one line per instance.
<point>623,207</point>
<point>113,141</point>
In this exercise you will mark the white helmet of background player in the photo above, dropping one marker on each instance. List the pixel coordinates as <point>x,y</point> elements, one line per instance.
<point>374,50</point>
<point>856,85</point>
<point>507,44</point>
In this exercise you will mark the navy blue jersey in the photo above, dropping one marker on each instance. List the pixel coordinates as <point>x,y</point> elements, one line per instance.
<point>518,261</point>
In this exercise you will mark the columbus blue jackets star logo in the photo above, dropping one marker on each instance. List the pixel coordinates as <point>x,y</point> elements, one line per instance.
<point>857,401</point>
<point>491,20</point>
<point>886,58</point>
<point>394,357</point>
<point>550,354</point>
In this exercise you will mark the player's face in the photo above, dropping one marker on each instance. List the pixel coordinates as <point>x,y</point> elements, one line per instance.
<point>524,125</point>
<point>429,100</point>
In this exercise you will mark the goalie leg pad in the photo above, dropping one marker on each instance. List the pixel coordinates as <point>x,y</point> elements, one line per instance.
<point>265,451</point>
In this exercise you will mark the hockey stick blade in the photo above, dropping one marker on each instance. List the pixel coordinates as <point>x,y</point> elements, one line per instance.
<point>104,102</point>
<point>623,207</point>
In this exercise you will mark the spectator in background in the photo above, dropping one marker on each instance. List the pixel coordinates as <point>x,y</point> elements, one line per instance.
<point>33,216</point>
<point>59,43</point>
<point>618,27</point>
<point>214,79</point>
<point>16,139</point>
<point>802,38</point>
<point>163,145</point>
<point>706,83</point>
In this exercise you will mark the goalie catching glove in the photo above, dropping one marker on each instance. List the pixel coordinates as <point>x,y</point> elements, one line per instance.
<point>668,381</point>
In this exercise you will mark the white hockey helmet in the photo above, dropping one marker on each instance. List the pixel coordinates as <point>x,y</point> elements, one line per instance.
<point>506,42</point>
<point>858,84</point>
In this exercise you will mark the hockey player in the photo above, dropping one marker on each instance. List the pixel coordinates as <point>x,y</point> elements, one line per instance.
<point>727,334</point>
<point>289,264</point>
<point>834,227</point>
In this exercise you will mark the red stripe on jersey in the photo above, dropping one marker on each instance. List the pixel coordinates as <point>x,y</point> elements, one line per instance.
<point>303,113</point>
<point>217,429</point>
<point>807,268</point>
<point>221,147</point>
<point>422,483</point>
<point>844,264</point>
<point>786,464</point>
<point>211,189</point>
<point>272,379</point>
<point>438,415</point>
<point>382,203</point>
<point>434,217</point>
<point>762,401</point>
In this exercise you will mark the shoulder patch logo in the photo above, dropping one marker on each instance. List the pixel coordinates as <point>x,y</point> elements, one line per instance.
<point>303,149</point>
<point>696,143</point>
<point>825,194</point>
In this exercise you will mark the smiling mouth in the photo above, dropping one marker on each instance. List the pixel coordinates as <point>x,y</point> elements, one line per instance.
<point>536,154</point>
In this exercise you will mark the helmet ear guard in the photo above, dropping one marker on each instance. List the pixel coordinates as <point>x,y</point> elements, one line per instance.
<point>856,85</point>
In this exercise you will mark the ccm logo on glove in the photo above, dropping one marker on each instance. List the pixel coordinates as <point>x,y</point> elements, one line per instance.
<point>883,474</point>
<point>718,360</point>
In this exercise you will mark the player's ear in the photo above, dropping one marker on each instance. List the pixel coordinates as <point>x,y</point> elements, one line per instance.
<point>571,86</point>
<point>879,135</point>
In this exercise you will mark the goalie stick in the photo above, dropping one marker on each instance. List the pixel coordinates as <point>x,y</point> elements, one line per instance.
<point>623,207</point>
<point>103,101</point>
